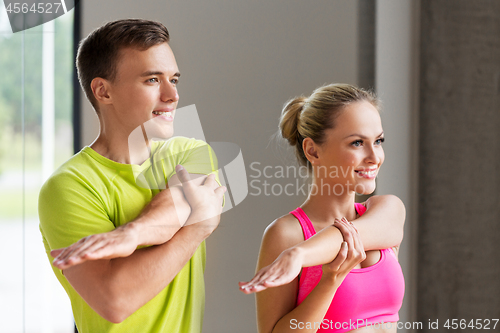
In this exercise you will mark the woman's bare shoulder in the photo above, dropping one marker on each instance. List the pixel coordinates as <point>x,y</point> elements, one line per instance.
<point>284,232</point>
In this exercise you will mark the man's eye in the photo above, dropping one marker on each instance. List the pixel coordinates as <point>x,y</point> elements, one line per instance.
<point>153,80</point>
<point>174,81</point>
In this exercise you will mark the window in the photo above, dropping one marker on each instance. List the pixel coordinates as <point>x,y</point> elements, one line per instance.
<point>36,136</point>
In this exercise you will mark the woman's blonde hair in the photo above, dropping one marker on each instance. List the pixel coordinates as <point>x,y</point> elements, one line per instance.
<point>309,117</point>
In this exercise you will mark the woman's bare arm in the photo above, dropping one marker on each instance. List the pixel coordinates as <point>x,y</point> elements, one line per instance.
<point>276,307</point>
<point>380,227</point>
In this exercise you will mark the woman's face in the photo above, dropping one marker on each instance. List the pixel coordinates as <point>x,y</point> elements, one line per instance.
<point>352,152</point>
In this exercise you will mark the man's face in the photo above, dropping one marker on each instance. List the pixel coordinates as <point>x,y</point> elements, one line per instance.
<point>145,89</point>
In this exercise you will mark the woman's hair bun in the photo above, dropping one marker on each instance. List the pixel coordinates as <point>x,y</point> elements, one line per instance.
<point>290,119</point>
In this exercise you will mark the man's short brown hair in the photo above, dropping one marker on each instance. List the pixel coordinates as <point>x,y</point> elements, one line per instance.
<point>98,54</point>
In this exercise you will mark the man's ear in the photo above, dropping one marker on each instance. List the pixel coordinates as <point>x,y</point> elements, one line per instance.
<point>100,89</point>
<point>310,150</point>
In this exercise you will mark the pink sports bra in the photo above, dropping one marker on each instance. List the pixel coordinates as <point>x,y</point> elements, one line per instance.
<point>367,295</point>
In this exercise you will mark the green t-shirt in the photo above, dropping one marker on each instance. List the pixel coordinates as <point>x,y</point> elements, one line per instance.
<point>91,194</point>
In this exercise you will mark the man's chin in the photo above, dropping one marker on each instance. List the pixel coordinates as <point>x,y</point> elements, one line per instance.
<point>161,136</point>
<point>158,132</point>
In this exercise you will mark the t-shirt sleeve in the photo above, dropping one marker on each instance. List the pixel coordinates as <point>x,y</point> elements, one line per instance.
<point>69,209</point>
<point>195,156</point>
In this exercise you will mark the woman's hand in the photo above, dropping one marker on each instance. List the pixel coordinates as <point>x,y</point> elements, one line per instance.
<point>351,253</point>
<point>120,242</point>
<point>282,271</point>
<point>289,263</point>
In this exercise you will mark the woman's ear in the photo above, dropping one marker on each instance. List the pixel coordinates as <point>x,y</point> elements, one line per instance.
<point>100,89</point>
<point>310,151</point>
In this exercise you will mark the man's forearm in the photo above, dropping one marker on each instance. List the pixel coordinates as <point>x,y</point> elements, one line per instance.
<point>117,287</point>
<point>162,218</point>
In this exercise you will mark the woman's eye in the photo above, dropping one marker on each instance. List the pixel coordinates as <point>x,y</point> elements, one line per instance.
<point>357,143</point>
<point>379,141</point>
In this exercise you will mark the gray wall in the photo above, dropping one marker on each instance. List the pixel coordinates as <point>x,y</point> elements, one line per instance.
<point>459,230</point>
<point>396,82</point>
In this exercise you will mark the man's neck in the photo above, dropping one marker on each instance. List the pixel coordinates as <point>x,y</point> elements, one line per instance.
<point>117,148</point>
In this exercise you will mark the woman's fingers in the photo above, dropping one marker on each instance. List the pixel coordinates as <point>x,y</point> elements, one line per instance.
<point>358,244</point>
<point>346,232</point>
<point>255,280</point>
<point>259,285</point>
<point>269,276</point>
<point>358,251</point>
<point>340,258</point>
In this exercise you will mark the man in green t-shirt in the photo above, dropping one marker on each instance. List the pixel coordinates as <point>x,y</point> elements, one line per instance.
<point>129,250</point>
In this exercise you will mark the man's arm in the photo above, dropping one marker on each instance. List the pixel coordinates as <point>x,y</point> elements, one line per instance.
<point>157,223</point>
<point>116,288</point>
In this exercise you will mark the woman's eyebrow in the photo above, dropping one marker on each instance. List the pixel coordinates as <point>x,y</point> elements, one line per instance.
<point>362,136</point>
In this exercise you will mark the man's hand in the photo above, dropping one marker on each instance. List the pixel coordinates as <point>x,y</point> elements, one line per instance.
<point>120,242</point>
<point>205,200</point>
<point>158,222</point>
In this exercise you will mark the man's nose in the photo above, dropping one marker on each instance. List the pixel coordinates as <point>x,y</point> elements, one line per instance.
<point>169,93</point>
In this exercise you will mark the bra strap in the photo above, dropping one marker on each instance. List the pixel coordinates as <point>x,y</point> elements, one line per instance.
<point>305,223</point>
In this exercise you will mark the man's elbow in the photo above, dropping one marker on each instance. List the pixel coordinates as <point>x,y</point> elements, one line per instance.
<point>114,311</point>
<point>113,317</point>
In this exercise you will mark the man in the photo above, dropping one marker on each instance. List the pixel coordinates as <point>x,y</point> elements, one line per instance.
<point>103,200</point>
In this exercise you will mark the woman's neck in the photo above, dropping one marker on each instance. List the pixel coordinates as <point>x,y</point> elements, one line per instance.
<point>324,208</point>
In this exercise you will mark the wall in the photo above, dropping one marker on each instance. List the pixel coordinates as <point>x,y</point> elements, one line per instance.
<point>459,233</point>
<point>396,82</point>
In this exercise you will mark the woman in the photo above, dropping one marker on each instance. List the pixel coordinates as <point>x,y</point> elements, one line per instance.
<point>337,133</point>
